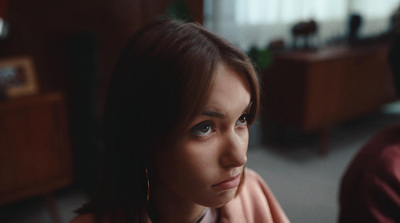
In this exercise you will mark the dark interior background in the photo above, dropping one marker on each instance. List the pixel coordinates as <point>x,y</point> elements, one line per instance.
<point>74,45</point>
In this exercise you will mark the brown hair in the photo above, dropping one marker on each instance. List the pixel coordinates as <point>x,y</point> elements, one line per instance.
<point>161,82</point>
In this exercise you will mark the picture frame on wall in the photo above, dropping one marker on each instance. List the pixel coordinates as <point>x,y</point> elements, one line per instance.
<point>17,77</point>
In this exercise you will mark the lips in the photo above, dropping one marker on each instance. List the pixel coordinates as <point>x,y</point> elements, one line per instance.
<point>227,184</point>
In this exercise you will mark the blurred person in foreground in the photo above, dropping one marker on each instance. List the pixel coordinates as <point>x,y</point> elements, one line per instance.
<point>370,188</point>
<point>176,126</point>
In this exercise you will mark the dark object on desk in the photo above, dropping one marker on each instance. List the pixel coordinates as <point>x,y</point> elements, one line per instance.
<point>304,31</point>
<point>394,21</point>
<point>276,44</point>
<point>354,25</point>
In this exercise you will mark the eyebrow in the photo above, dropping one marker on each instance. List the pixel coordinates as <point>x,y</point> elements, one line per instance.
<point>222,116</point>
<point>213,114</point>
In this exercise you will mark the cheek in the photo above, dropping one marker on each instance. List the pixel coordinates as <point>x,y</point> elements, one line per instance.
<point>188,163</point>
<point>190,169</point>
<point>198,161</point>
<point>243,135</point>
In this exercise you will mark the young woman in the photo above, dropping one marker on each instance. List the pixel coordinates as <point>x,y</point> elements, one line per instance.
<point>176,125</point>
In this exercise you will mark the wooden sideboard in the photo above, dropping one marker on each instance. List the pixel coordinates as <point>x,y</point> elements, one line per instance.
<point>314,90</point>
<point>35,157</point>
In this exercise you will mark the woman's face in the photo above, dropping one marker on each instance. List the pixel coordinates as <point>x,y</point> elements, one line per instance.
<point>206,165</point>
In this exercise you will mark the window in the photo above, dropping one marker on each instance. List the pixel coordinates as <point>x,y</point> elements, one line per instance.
<point>287,11</point>
<point>256,22</point>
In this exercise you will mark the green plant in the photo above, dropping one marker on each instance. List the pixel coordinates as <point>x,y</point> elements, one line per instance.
<point>262,57</point>
<point>179,10</point>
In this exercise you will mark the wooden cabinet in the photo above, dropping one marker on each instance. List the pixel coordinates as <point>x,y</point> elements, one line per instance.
<point>35,156</point>
<point>318,89</point>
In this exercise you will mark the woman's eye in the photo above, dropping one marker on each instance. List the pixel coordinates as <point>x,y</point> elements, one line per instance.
<point>242,120</point>
<point>202,129</point>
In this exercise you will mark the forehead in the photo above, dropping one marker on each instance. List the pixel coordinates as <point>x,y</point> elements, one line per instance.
<point>230,89</point>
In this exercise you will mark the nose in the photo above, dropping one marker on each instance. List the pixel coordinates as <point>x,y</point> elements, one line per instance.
<point>234,151</point>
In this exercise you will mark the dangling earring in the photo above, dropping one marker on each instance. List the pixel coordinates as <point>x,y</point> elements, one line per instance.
<point>148,185</point>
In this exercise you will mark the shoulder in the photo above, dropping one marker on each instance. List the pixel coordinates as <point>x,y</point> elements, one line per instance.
<point>387,137</point>
<point>383,146</point>
<point>381,155</point>
<point>373,176</point>
<point>254,187</point>
<point>252,178</point>
<point>84,218</point>
<point>368,194</point>
<point>388,164</point>
<point>253,203</point>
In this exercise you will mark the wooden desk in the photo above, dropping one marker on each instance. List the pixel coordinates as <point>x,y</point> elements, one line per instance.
<point>35,156</point>
<point>315,90</point>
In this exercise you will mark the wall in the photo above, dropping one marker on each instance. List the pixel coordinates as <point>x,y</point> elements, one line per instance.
<point>75,45</point>
<point>42,29</point>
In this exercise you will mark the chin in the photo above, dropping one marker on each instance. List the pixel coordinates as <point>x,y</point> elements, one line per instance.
<point>222,198</point>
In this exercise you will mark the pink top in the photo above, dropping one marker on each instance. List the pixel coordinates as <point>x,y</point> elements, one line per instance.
<point>254,203</point>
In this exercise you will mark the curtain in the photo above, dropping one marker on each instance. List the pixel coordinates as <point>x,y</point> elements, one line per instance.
<point>256,22</point>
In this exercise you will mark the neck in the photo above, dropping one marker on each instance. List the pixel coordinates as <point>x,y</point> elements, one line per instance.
<point>170,207</point>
